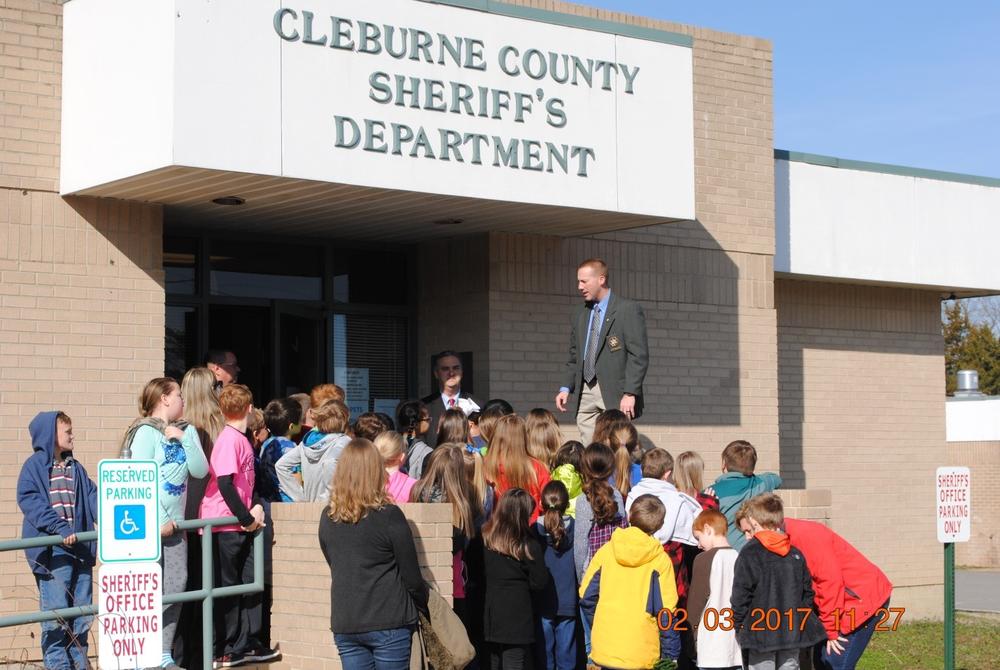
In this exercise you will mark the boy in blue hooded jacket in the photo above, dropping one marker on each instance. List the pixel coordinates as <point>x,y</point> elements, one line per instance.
<point>57,497</point>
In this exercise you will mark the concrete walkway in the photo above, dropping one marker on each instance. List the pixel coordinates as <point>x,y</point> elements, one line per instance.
<point>977,590</point>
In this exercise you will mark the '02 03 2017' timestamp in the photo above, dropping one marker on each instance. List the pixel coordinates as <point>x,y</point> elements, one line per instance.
<point>773,619</point>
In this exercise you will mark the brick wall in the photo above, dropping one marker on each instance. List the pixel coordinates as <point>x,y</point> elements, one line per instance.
<point>81,290</point>
<point>983,460</point>
<point>861,385</point>
<point>300,619</point>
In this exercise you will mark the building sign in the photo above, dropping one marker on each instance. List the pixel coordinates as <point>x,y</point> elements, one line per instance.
<point>130,618</point>
<point>128,511</point>
<point>954,504</point>
<point>540,108</point>
<point>440,99</point>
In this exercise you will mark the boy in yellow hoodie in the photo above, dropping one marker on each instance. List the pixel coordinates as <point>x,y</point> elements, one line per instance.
<point>628,582</point>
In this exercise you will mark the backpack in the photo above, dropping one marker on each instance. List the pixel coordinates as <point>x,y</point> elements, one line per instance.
<point>125,450</point>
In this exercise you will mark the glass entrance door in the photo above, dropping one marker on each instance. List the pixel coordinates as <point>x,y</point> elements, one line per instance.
<point>300,350</point>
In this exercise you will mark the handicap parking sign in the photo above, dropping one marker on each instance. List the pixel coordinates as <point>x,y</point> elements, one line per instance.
<point>130,522</point>
<point>128,509</point>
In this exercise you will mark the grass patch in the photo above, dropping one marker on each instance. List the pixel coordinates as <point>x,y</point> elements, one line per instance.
<point>920,645</point>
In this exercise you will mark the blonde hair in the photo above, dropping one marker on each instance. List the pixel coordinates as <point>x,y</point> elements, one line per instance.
<point>509,452</point>
<point>333,416</point>
<point>476,473</point>
<point>689,469</point>
<point>544,438</point>
<point>358,483</point>
<point>391,446</point>
<point>201,405</point>
<point>623,440</point>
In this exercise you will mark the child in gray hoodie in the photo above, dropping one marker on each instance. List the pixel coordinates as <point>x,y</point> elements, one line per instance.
<point>317,455</point>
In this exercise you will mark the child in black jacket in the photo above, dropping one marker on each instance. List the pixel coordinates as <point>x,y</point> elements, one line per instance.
<point>514,566</point>
<point>773,600</point>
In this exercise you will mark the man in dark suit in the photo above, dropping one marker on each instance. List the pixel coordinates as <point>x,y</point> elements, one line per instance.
<point>448,370</point>
<point>608,351</point>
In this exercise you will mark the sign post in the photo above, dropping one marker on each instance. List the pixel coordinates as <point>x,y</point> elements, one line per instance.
<point>954,524</point>
<point>130,581</point>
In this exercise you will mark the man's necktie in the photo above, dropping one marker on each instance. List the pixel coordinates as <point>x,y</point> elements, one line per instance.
<point>451,403</point>
<point>593,344</point>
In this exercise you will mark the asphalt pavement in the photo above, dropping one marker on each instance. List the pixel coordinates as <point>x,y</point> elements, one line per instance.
<point>977,590</point>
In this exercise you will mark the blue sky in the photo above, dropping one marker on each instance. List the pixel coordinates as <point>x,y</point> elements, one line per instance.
<point>911,83</point>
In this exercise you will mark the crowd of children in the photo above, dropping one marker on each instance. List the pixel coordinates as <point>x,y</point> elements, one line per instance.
<point>611,554</point>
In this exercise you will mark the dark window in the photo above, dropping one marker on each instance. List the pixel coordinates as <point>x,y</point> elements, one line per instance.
<point>179,262</point>
<point>370,276</point>
<point>264,270</point>
<point>181,340</point>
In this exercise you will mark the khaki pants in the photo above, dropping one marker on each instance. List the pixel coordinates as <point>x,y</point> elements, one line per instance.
<point>591,405</point>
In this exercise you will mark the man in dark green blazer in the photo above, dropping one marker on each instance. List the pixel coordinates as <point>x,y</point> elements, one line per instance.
<point>608,351</point>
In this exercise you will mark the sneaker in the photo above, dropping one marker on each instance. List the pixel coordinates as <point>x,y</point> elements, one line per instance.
<point>229,661</point>
<point>261,655</point>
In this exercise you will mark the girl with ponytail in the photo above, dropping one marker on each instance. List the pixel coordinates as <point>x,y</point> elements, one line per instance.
<point>599,511</point>
<point>558,602</point>
<point>624,443</point>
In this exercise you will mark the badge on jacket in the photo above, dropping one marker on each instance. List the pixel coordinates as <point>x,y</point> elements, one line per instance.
<point>614,343</point>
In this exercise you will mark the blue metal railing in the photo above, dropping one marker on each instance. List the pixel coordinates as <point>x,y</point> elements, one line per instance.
<point>207,594</point>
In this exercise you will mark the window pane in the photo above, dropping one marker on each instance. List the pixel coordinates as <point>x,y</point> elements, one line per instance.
<point>179,262</point>
<point>181,351</point>
<point>370,276</point>
<point>369,360</point>
<point>263,270</point>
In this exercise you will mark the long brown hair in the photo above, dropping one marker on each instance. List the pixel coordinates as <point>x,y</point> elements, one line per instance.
<point>358,483</point>
<point>453,427</point>
<point>623,440</point>
<point>444,475</point>
<point>153,391</point>
<point>606,423</point>
<point>509,452</point>
<point>598,465</point>
<point>543,436</point>
<point>507,530</point>
<point>555,500</point>
<point>474,472</point>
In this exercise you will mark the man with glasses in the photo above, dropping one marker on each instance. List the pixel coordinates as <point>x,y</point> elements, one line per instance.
<point>223,365</point>
<point>448,371</point>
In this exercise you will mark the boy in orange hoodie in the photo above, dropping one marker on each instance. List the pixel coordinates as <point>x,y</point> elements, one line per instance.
<point>773,599</point>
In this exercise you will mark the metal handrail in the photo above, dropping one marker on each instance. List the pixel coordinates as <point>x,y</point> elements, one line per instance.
<point>207,594</point>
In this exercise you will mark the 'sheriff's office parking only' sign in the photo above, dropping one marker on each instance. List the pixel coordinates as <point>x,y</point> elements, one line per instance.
<point>130,581</point>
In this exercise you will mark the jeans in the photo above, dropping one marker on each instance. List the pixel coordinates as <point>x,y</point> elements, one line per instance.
<point>67,583</point>
<point>857,641</point>
<point>786,659</point>
<point>559,643</point>
<point>376,650</point>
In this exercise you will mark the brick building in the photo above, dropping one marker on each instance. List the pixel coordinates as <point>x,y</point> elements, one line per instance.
<point>180,175</point>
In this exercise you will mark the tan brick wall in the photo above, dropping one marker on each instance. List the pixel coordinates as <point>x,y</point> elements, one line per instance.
<point>713,374</point>
<point>983,460</point>
<point>300,623</point>
<point>81,290</point>
<point>861,385</point>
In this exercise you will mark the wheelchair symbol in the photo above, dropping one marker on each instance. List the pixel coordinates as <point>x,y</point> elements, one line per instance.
<point>130,522</point>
